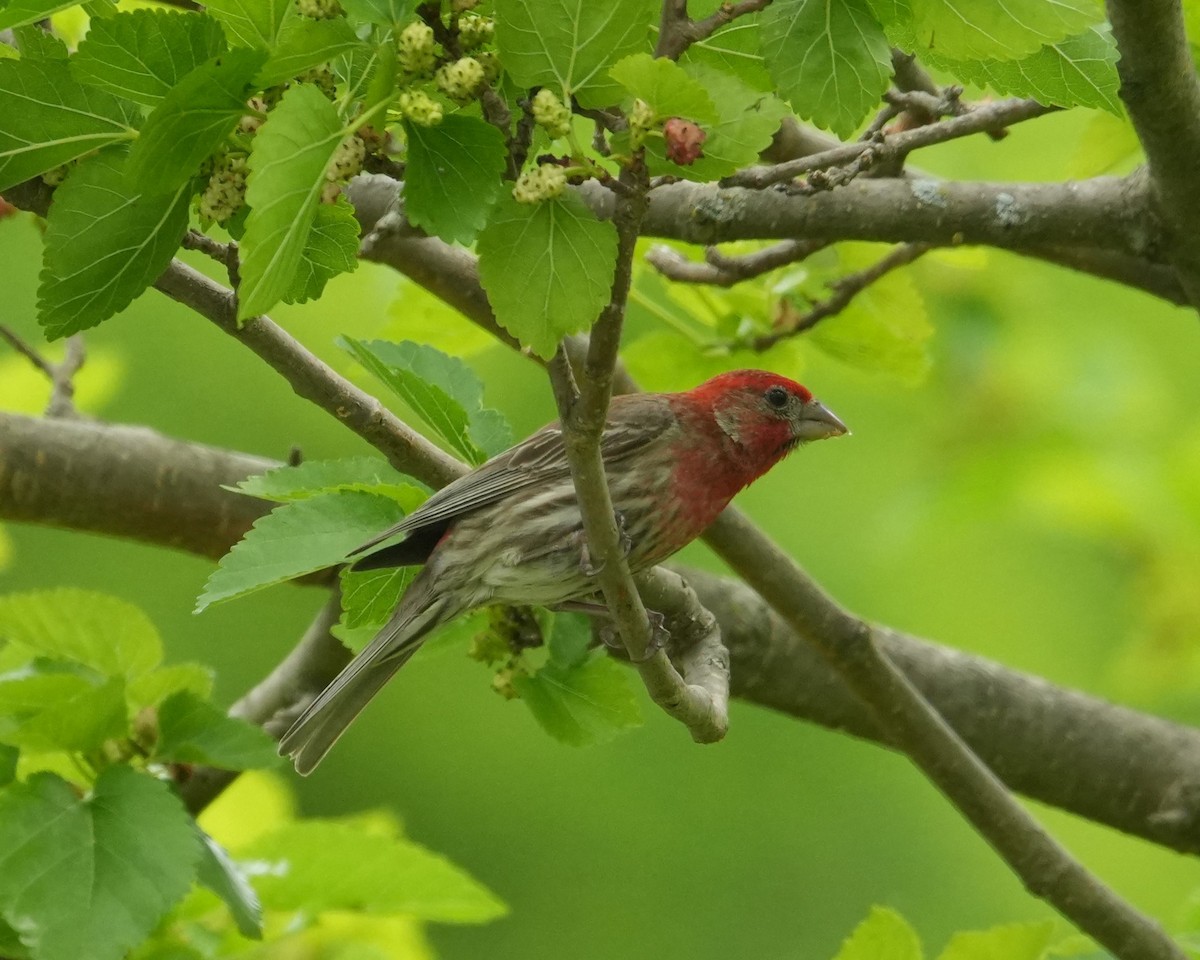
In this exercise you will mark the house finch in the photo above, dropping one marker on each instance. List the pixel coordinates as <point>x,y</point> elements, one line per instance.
<point>510,532</point>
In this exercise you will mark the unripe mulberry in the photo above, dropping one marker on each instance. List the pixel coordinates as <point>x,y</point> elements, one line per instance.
<point>544,182</point>
<point>226,190</point>
<point>420,108</point>
<point>474,31</point>
<point>319,9</point>
<point>322,77</point>
<point>461,79</point>
<point>347,159</point>
<point>416,51</point>
<point>551,113</point>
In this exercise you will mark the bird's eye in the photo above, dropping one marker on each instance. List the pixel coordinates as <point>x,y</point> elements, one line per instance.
<point>777,397</point>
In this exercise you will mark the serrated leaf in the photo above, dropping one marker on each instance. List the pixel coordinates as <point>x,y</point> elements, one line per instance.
<point>665,87</point>
<point>249,23</point>
<point>441,389</point>
<point>298,538</point>
<point>48,712</point>
<point>386,13</point>
<point>47,118</point>
<point>830,58</point>
<point>318,865</point>
<point>217,871</point>
<point>368,74</point>
<point>735,49</point>
<point>884,935</point>
<point>102,633</point>
<point>984,30</point>
<point>304,43</point>
<point>38,44</point>
<point>370,596</point>
<point>18,13</point>
<point>547,269</point>
<point>90,877</point>
<point>570,639</point>
<point>141,55</point>
<point>747,123</point>
<point>1014,941</point>
<point>106,242</point>
<point>452,176</point>
<point>331,249</point>
<point>192,730</point>
<point>1079,71</point>
<point>582,703</point>
<point>328,476</point>
<point>287,173</point>
<point>885,328</point>
<point>569,45</point>
<point>192,120</point>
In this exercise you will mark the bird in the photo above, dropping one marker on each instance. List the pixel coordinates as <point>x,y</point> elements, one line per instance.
<point>510,531</point>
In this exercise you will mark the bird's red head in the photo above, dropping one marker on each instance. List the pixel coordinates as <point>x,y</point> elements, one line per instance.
<point>762,416</point>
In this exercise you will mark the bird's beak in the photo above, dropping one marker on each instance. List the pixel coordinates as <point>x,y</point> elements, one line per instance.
<point>816,422</point>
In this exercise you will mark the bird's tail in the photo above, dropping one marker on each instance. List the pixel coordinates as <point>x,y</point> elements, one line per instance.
<point>327,717</point>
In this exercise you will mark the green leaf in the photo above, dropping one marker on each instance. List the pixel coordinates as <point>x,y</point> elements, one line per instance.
<point>885,328</point>
<point>287,173</point>
<point>328,476</point>
<point>830,58</point>
<point>666,87</point>
<point>452,176</point>
<point>884,935</point>
<point>48,712</point>
<point>8,764</point>
<point>38,44</point>
<point>547,269</point>
<point>141,55</point>
<point>191,730</point>
<point>102,633</point>
<point>192,120</point>
<point>303,43</point>
<point>337,866</point>
<point>223,877</point>
<point>298,538</point>
<point>984,30</point>
<point>747,123</point>
<point>105,244</point>
<point>151,689</point>
<point>91,877</point>
<point>581,703</point>
<point>47,118</point>
<point>249,23</point>
<point>1015,941</point>
<point>18,13</point>
<point>386,13</point>
<point>370,596</point>
<point>569,45</point>
<point>735,49</point>
<point>331,248</point>
<point>441,389</point>
<point>1079,71</point>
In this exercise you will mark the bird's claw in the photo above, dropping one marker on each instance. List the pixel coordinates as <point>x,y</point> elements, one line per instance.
<point>586,566</point>
<point>659,636</point>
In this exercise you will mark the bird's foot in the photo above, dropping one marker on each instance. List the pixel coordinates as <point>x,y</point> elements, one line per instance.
<point>590,569</point>
<point>659,636</point>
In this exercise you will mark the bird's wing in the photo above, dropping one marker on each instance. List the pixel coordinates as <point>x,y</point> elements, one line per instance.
<point>536,460</point>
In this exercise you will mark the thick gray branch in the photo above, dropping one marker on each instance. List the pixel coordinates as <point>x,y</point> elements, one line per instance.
<point>1162,93</point>
<point>1128,770</point>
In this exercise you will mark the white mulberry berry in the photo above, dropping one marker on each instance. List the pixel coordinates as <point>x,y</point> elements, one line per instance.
<point>347,159</point>
<point>226,190</point>
<point>551,113</point>
<point>420,108</point>
<point>544,182</point>
<point>416,51</point>
<point>474,31</point>
<point>319,9</point>
<point>461,79</point>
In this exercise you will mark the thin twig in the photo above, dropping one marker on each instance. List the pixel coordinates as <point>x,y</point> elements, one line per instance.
<point>725,271</point>
<point>61,375</point>
<point>844,290</point>
<point>677,31</point>
<point>991,116</point>
<point>702,707</point>
<point>910,77</point>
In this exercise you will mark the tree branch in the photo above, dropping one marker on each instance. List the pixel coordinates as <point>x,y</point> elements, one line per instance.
<point>725,271</point>
<point>1162,93</point>
<point>61,375</point>
<point>854,648</point>
<point>1055,745</point>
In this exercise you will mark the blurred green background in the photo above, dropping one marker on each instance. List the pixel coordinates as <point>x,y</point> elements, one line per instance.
<point>1035,499</point>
